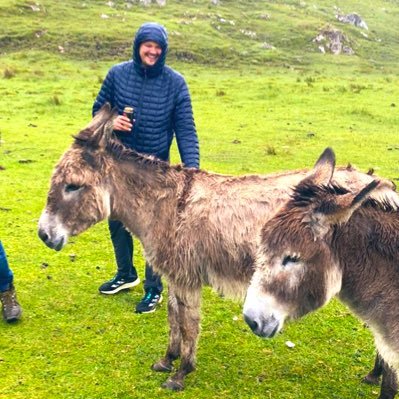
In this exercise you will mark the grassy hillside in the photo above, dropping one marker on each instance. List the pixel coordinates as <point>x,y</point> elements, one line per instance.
<point>229,35</point>
<point>256,111</point>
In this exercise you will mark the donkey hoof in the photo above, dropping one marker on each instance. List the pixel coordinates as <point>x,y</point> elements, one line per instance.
<point>173,385</point>
<point>162,366</point>
<point>371,380</point>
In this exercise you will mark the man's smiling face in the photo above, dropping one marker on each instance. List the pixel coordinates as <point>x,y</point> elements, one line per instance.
<point>149,53</point>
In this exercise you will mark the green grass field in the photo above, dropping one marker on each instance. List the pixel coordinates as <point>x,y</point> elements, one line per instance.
<point>256,111</point>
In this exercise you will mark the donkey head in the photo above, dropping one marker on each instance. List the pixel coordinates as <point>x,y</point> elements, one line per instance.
<point>79,195</point>
<point>296,271</point>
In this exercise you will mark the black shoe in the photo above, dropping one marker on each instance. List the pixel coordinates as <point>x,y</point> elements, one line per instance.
<point>11,308</point>
<point>149,303</point>
<point>118,284</point>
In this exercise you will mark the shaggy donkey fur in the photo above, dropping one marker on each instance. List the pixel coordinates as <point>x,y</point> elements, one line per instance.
<point>326,241</point>
<point>196,227</point>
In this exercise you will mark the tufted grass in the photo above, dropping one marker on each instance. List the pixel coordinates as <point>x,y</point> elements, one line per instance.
<point>276,113</point>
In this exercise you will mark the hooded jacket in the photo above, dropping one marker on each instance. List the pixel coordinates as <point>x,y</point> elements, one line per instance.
<point>160,98</point>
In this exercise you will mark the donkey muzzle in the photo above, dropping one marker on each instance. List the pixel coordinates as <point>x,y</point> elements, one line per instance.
<point>265,328</point>
<point>56,244</point>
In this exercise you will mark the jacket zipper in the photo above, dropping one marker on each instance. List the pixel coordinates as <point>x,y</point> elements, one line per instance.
<point>138,117</point>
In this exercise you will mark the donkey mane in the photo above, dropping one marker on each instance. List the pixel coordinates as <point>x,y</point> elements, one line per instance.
<point>122,153</point>
<point>86,138</point>
<point>384,205</point>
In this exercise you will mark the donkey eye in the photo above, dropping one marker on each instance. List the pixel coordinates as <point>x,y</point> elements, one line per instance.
<point>72,187</point>
<point>294,258</point>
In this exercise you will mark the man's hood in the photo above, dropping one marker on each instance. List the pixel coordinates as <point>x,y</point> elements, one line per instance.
<point>150,31</point>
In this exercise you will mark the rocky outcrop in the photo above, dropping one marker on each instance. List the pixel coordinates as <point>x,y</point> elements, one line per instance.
<point>331,40</point>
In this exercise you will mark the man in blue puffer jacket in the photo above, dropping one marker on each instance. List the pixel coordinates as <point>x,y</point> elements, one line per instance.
<point>162,110</point>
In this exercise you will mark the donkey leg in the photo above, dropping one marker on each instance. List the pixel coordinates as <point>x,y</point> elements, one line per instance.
<point>389,385</point>
<point>173,350</point>
<point>373,377</point>
<point>189,315</point>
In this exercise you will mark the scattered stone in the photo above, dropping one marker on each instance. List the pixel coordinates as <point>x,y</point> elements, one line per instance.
<point>264,16</point>
<point>72,257</point>
<point>34,7</point>
<point>353,19</point>
<point>61,49</point>
<point>147,3</point>
<point>215,2</point>
<point>44,265</point>
<point>267,46</point>
<point>226,21</point>
<point>248,33</point>
<point>104,16</point>
<point>290,344</point>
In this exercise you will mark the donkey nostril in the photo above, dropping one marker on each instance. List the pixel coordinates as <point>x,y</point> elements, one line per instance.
<point>253,325</point>
<point>43,236</point>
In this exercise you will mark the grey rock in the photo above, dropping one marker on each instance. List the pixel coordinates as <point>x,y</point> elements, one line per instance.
<point>333,41</point>
<point>353,19</point>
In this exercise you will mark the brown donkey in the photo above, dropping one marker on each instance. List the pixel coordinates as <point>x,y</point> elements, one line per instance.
<point>196,227</point>
<point>326,241</point>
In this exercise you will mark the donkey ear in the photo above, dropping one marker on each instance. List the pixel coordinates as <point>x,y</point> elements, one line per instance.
<point>100,117</point>
<point>109,125</point>
<point>337,209</point>
<point>104,131</point>
<point>323,169</point>
<point>340,208</point>
<point>365,193</point>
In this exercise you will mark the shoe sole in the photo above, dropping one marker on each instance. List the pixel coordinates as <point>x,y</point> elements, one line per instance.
<point>122,287</point>
<point>13,319</point>
<point>155,307</point>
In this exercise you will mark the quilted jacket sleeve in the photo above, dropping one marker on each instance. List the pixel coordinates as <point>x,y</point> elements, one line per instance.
<point>105,94</point>
<point>184,127</point>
